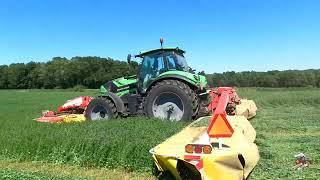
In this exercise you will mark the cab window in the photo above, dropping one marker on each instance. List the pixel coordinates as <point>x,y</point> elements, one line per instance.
<point>151,67</point>
<point>171,62</point>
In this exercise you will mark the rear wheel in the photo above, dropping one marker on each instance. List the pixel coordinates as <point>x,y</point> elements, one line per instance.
<point>101,108</point>
<point>172,100</point>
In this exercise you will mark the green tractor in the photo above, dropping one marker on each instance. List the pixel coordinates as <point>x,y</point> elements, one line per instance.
<point>165,87</point>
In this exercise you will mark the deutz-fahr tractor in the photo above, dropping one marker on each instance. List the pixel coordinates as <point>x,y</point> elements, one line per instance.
<point>165,87</point>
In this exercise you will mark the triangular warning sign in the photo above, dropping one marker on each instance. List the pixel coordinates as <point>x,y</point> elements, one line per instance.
<point>219,127</point>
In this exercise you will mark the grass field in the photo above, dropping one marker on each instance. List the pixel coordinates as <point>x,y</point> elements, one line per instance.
<point>287,123</point>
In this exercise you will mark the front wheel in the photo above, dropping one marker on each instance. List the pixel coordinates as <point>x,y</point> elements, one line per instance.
<point>100,109</point>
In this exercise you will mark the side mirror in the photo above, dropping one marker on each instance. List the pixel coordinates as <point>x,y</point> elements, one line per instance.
<point>129,58</point>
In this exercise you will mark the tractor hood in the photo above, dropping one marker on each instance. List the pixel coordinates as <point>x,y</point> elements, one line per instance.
<point>120,86</point>
<point>195,79</point>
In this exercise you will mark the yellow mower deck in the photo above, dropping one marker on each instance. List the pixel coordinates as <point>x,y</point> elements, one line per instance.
<point>235,160</point>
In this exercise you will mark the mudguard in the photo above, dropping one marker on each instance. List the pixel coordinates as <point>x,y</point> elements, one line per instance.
<point>116,100</point>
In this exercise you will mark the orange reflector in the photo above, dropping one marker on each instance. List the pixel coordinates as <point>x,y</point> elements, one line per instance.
<point>207,149</point>
<point>189,148</point>
<point>219,127</point>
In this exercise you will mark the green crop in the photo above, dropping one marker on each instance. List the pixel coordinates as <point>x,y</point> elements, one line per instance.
<point>119,143</point>
<point>287,123</point>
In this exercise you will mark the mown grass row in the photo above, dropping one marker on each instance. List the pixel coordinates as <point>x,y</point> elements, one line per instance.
<point>274,97</point>
<point>11,174</point>
<point>11,169</point>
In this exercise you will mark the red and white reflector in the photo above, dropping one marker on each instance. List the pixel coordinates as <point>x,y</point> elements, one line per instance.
<point>198,148</point>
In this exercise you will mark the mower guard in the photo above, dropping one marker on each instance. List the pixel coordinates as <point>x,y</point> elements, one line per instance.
<point>235,160</point>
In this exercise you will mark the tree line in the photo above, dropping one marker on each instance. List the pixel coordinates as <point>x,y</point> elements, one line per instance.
<point>91,72</point>
<point>288,78</point>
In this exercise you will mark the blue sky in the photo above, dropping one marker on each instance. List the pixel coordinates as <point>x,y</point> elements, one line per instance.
<point>218,35</point>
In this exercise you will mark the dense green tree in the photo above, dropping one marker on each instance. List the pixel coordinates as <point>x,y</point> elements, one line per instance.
<point>3,77</point>
<point>17,74</point>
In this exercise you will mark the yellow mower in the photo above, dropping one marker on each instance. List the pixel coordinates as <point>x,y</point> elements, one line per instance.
<point>220,146</point>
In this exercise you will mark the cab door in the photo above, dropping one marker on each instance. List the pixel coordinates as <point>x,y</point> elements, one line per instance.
<point>151,67</point>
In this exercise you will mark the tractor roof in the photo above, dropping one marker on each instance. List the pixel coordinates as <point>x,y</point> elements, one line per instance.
<point>177,50</point>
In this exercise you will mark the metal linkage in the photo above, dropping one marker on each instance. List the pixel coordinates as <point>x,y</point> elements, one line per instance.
<point>223,101</point>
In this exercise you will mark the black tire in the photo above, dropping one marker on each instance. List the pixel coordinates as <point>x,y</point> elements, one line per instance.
<point>187,171</point>
<point>178,88</point>
<point>204,102</point>
<point>102,107</point>
<point>195,104</point>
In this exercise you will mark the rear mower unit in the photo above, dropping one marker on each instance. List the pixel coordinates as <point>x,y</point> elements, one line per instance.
<point>217,147</point>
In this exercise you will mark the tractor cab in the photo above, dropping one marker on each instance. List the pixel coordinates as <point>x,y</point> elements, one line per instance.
<point>158,61</point>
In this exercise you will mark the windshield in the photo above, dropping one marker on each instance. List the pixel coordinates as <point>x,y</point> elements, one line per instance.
<point>177,62</point>
<point>182,63</point>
